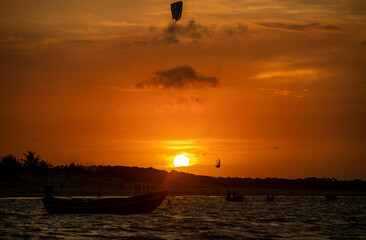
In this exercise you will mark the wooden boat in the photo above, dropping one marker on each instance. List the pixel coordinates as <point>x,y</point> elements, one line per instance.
<point>130,205</point>
<point>238,198</point>
<point>270,198</point>
<point>331,197</point>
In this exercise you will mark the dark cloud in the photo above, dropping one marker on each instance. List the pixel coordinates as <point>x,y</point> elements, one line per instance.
<point>238,29</point>
<point>363,43</point>
<point>189,32</point>
<point>299,27</point>
<point>178,78</point>
<point>174,32</point>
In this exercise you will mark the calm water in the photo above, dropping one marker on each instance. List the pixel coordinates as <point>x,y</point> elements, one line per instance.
<point>196,217</point>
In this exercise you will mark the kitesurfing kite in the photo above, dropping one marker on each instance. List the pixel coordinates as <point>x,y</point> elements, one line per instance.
<point>177,8</point>
<point>218,163</point>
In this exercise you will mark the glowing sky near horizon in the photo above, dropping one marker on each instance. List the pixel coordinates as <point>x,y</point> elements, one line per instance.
<point>272,88</point>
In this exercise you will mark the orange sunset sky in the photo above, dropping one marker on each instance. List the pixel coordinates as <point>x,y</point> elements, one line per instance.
<point>272,88</point>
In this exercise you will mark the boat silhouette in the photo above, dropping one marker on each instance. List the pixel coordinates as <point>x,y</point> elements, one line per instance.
<point>145,203</point>
<point>232,197</point>
<point>331,197</point>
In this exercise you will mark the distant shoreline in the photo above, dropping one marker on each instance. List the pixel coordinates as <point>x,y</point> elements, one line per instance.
<point>80,185</point>
<point>20,180</point>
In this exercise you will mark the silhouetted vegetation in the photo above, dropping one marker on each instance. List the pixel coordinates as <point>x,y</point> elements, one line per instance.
<point>32,164</point>
<point>11,167</point>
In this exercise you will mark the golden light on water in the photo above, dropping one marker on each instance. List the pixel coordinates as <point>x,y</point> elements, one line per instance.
<point>181,160</point>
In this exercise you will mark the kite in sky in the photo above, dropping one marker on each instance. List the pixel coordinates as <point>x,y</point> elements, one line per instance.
<point>177,8</point>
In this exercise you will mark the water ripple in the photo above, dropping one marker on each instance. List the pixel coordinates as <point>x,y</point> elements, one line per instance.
<point>196,217</point>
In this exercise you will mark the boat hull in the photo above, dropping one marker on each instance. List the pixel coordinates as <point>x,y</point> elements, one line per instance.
<point>238,198</point>
<point>132,205</point>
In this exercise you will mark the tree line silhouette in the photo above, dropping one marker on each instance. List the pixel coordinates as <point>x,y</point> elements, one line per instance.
<point>32,164</point>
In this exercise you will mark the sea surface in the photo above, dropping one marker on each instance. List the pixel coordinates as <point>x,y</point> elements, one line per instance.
<point>195,217</point>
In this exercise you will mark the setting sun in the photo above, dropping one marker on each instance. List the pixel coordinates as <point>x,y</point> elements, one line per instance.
<point>181,160</point>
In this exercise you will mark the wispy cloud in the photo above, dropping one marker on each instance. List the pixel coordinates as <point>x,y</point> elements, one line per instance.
<point>185,103</point>
<point>298,27</point>
<point>117,23</point>
<point>234,30</point>
<point>131,89</point>
<point>181,77</point>
<point>286,73</point>
<point>82,41</point>
<point>287,92</point>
